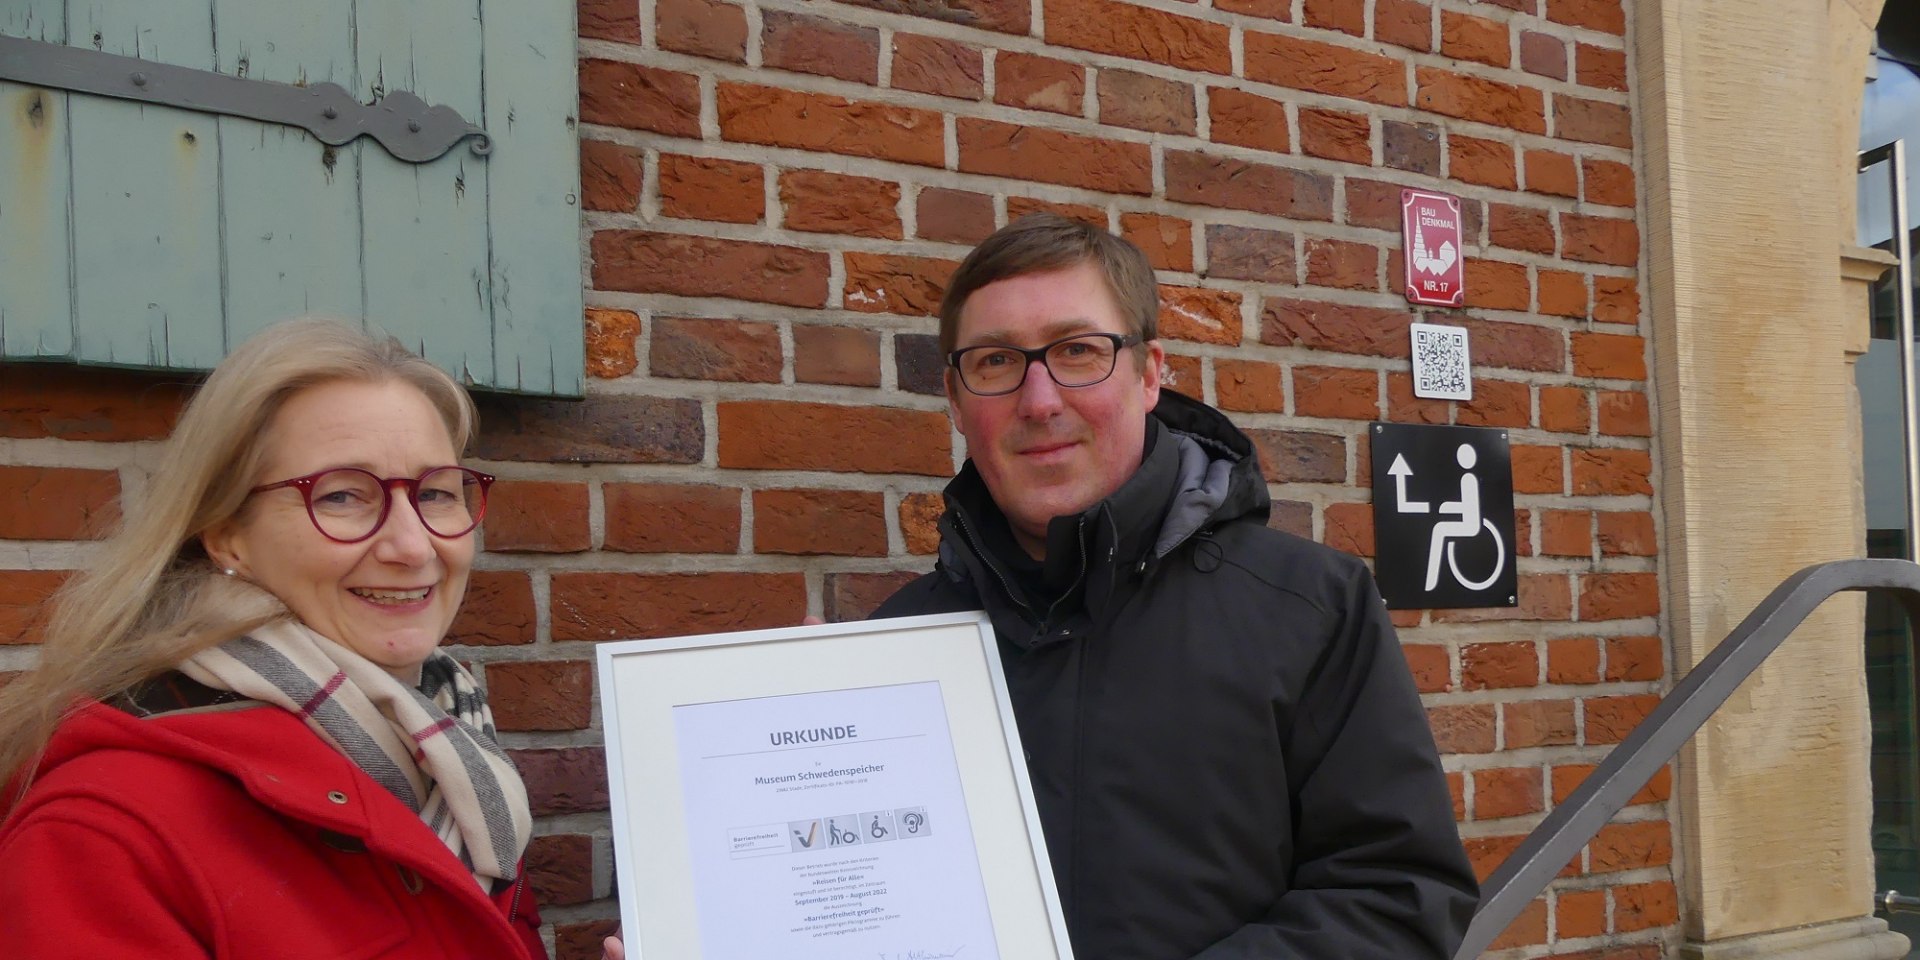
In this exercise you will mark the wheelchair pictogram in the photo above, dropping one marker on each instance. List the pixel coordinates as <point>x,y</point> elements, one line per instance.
<point>1443,516</point>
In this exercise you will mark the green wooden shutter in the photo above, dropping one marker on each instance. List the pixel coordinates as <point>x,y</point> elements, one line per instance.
<point>148,236</point>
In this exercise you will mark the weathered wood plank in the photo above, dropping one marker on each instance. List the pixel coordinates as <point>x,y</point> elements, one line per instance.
<point>146,198</point>
<point>533,185</point>
<point>426,225</point>
<point>290,204</point>
<point>36,284</point>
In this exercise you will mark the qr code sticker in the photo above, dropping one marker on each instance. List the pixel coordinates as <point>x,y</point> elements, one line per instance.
<point>1441,370</point>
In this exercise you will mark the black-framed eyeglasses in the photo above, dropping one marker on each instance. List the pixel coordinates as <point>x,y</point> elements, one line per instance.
<point>1082,360</point>
<point>348,504</point>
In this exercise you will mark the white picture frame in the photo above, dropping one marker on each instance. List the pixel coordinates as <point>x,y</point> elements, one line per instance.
<point>663,701</point>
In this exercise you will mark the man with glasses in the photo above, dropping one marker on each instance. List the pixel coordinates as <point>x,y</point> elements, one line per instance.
<point>1228,754</point>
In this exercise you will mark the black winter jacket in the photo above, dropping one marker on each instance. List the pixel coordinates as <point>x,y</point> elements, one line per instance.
<point>1226,748</point>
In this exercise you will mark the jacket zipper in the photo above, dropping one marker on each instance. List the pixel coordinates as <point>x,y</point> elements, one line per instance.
<point>960,518</point>
<point>513,908</point>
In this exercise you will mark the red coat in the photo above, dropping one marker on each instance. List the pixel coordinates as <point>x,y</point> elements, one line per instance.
<point>234,833</point>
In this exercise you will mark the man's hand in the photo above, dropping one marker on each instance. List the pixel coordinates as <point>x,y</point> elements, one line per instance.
<point>612,949</point>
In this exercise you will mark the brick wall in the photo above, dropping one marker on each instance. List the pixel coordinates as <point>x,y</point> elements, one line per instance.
<point>774,192</point>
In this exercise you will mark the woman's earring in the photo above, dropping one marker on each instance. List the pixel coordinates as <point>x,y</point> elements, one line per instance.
<point>228,571</point>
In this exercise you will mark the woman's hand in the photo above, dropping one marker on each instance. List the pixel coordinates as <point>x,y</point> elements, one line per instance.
<point>612,949</point>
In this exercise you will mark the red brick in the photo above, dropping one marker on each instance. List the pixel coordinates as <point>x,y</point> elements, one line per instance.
<point>541,695</point>
<point>1537,469</point>
<point>1291,456</point>
<point>729,350</point>
<point>24,603</point>
<point>1489,666</point>
<point>602,428</point>
<point>1566,533</point>
<point>1457,791</point>
<point>89,403</point>
<point>1508,792</point>
<point>1560,293</point>
<point>850,523</point>
<point>1635,658</point>
<point>816,45</point>
<point>1610,719</point>
<point>1404,407</point>
<point>1476,98</point>
<point>920,522</point>
<point>1487,853</point>
<point>1609,471</point>
<point>1281,10</point>
<point>1372,203</point>
<point>629,95</point>
<point>1624,413</point>
<point>620,606</point>
<point>1336,135</point>
<point>1580,913</point>
<point>1525,228</point>
<point>640,261</point>
<point>560,868</point>
<point>1537,723</point>
<point>1616,300</point>
<point>1609,356</point>
<point>582,941</point>
<point>1573,660</point>
<point>1342,263</point>
<point>1628,534</point>
<point>1342,15</point>
<point>1428,662</point>
<point>819,202</point>
<point>1338,327</point>
<point>1497,285</point>
<point>854,596</point>
<point>1413,147</point>
<point>1591,121</point>
<point>1600,67</point>
<point>1486,162</point>
<point>672,518</point>
<point>701,188</point>
<point>1552,173</point>
<point>1466,728</point>
<point>842,355</point>
<point>1608,182</point>
<point>1566,778</point>
<point>1182,373</point>
<point>1239,185</point>
<point>1543,596</point>
<point>563,780</point>
<point>1139,33</point>
<point>1048,156</point>
<point>956,216</point>
<point>1325,68</point>
<point>1249,253</point>
<point>1004,16</point>
<point>609,20</point>
<point>945,68</point>
<point>770,116</point>
<point>1349,529</point>
<point>776,435</point>
<point>537,516</point>
<point>610,176</point>
<point>1631,846</point>
<point>884,283</point>
<point>497,611</point>
<point>609,343</point>
<point>1340,393</point>
<point>1145,102</point>
<point>1563,409</point>
<point>1404,23</point>
<point>1039,83</point>
<point>1529,928</point>
<point>1606,16</point>
<point>1018,207</point>
<point>703,28</point>
<point>1497,403</point>
<point>1643,906</point>
<point>1467,37</point>
<point>1167,241</point>
<point>1543,55</point>
<point>57,503</point>
<point>1600,239</point>
<point>1249,386</point>
<point>1241,118</point>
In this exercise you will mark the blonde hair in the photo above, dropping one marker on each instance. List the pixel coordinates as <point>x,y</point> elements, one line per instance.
<point>153,598</point>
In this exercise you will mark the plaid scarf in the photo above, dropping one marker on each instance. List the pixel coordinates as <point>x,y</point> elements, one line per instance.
<point>432,746</point>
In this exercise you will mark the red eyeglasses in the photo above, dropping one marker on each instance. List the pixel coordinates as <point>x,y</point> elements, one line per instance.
<point>348,504</point>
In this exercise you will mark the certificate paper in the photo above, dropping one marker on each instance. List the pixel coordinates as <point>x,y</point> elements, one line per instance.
<point>830,825</point>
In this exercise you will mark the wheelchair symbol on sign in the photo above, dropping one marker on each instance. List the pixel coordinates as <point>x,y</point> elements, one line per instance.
<point>1467,525</point>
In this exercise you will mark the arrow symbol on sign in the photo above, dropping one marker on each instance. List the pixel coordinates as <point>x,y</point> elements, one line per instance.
<point>1400,472</point>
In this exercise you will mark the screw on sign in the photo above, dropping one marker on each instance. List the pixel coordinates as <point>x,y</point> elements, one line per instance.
<point>1436,272</point>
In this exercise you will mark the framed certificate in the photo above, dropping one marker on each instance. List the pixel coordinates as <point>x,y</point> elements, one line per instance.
<point>827,792</point>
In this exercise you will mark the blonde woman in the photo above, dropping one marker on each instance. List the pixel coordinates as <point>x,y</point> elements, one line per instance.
<point>243,739</point>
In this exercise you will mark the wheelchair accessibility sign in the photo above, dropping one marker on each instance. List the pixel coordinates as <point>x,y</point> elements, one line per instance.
<point>1443,516</point>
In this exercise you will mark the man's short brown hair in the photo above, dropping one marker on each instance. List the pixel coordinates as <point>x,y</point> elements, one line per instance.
<point>1039,242</point>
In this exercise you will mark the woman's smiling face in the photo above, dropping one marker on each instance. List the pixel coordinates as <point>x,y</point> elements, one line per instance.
<point>391,597</point>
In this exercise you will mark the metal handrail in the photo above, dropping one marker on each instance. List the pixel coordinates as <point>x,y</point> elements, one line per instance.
<point>1577,820</point>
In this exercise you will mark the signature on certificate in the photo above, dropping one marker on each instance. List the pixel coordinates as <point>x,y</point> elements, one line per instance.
<point>922,954</point>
